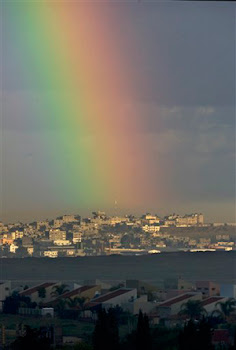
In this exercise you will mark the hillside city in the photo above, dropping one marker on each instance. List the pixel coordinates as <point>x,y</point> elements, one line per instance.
<point>73,236</point>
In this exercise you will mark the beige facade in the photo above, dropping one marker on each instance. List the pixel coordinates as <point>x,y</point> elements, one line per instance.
<point>208,288</point>
<point>77,237</point>
<point>192,220</point>
<point>173,306</point>
<point>56,234</point>
<point>34,292</point>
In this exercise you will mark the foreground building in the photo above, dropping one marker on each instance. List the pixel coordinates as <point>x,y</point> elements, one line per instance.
<point>40,293</point>
<point>113,299</point>
<point>173,306</point>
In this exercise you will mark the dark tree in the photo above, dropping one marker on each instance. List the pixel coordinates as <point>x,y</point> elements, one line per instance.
<point>193,309</point>
<point>13,302</point>
<point>143,336</point>
<point>187,338</point>
<point>33,339</point>
<point>106,334</point>
<point>234,341</point>
<point>165,338</point>
<point>204,335</point>
<point>196,336</point>
<point>42,293</point>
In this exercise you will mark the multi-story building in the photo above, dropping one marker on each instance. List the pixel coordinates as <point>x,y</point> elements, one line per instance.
<point>190,220</point>
<point>150,219</point>
<point>208,288</point>
<point>70,218</point>
<point>56,234</point>
<point>77,237</point>
<point>18,234</point>
<point>186,220</point>
<point>117,220</point>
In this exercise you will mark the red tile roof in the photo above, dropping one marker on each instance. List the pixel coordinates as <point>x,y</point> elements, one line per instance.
<point>176,300</point>
<point>103,298</point>
<point>111,295</point>
<point>76,291</point>
<point>32,290</point>
<point>211,300</point>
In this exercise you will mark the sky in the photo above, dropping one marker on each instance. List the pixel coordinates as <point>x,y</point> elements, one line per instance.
<point>179,88</point>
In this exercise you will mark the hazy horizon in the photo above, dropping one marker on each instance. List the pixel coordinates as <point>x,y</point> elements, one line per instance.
<point>28,216</point>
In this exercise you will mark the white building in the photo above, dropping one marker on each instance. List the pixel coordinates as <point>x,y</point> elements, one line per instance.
<point>13,248</point>
<point>173,306</point>
<point>50,253</point>
<point>211,304</point>
<point>114,298</point>
<point>62,242</point>
<point>151,228</point>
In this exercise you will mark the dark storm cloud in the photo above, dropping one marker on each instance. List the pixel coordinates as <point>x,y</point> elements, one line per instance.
<point>181,54</point>
<point>186,53</point>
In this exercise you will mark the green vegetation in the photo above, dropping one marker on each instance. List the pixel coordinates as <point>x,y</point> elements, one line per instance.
<point>193,309</point>
<point>13,302</point>
<point>69,327</point>
<point>59,290</point>
<point>227,307</point>
<point>105,335</point>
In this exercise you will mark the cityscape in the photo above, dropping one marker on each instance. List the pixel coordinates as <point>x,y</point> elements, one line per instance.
<point>100,234</point>
<point>178,294</point>
<point>117,175</point>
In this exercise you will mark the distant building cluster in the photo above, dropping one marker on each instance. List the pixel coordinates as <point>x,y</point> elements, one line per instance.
<point>183,221</point>
<point>71,235</point>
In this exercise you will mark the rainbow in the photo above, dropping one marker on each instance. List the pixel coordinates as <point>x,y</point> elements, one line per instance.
<point>76,59</point>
